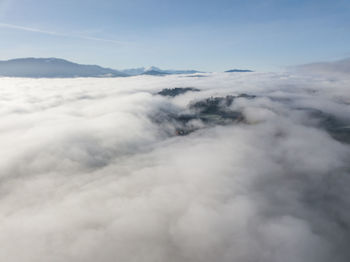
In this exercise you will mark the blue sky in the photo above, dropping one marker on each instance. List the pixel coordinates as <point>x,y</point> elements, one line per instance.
<point>205,35</point>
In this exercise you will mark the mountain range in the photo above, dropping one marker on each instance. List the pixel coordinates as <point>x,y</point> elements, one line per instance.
<point>238,71</point>
<point>60,68</point>
<point>53,67</point>
<point>156,71</point>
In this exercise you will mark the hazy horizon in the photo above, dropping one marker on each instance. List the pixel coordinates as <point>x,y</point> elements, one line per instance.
<point>312,65</point>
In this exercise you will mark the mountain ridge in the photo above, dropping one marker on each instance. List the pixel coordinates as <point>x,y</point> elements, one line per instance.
<point>239,71</point>
<point>53,67</point>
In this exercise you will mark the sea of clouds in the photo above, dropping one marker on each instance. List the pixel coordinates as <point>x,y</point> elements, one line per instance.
<point>86,174</point>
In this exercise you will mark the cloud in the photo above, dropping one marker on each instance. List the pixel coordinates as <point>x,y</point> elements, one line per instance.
<point>53,33</point>
<point>321,68</point>
<point>88,175</point>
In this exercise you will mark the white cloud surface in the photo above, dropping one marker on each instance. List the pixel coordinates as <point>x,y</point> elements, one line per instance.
<point>86,175</point>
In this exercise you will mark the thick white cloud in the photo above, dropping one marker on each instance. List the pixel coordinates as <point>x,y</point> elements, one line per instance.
<point>86,175</point>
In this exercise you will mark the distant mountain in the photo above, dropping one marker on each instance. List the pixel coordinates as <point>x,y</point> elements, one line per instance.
<point>53,67</point>
<point>178,72</point>
<point>238,71</point>
<point>156,71</point>
<point>60,68</point>
<point>133,71</point>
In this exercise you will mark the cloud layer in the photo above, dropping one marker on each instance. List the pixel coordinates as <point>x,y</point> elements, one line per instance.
<point>330,68</point>
<point>88,175</point>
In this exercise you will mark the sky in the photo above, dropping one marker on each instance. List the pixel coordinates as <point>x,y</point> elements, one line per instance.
<point>204,35</point>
